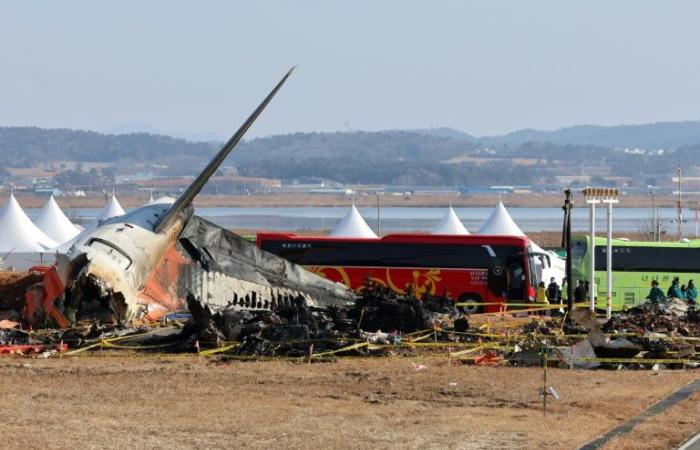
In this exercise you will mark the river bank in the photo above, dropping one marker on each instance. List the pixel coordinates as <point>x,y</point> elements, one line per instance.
<point>322,200</point>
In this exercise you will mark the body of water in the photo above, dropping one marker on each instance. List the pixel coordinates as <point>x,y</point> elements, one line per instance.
<point>407,219</point>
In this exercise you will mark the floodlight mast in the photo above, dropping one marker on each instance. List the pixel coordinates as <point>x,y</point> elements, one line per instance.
<point>611,196</point>
<point>589,195</point>
<point>608,196</point>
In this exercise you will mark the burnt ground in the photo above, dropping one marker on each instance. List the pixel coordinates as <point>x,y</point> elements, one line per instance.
<point>114,401</point>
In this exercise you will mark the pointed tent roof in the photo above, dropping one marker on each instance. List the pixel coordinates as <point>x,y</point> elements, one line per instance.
<point>353,225</point>
<point>500,223</point>
<point>113,209</point>
<point>54,223</point>
<point>18,233</point>
<point>450,224</point>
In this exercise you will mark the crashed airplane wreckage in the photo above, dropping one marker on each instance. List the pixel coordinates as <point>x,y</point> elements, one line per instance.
<point>161,258</point>
<point>143,265</point>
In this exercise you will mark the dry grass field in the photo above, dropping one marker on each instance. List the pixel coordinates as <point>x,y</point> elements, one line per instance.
<point>183,402</point>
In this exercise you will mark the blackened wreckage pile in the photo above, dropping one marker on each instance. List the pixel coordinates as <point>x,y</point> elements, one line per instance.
<point>290,330</point>
<point>292,327</point>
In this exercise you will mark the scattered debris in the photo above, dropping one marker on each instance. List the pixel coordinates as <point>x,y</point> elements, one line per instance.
<point>418,367</point>
<point>379,322</point>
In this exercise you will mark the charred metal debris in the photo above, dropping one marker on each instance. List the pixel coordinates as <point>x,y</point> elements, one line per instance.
<point>379,322</point>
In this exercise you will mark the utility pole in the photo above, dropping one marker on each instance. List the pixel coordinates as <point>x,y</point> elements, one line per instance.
<point>653,215</point>
<point>379,219</point>
<point>680,206</point>
<point>566,243</point>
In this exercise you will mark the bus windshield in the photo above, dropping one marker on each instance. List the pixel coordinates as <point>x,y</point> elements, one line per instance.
<point>579,248</point>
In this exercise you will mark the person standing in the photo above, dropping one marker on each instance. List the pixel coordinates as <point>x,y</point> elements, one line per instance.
<point>553,292</point>
<point>563,295</point>
<point>564,291</point>
<point>580,293</point>
<point>691,294</point>
<point>541,296</point>
<point>656,295</point>
<point>674,291</point>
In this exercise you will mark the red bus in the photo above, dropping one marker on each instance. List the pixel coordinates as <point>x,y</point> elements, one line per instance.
<point>472,269</point>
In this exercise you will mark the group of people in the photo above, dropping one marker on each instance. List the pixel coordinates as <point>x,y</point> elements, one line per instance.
<point>553,293</point>
<point>687,293</point>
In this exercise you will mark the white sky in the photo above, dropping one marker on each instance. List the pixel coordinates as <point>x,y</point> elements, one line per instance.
<point>484,67</point>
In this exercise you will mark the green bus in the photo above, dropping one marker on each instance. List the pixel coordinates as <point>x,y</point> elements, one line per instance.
<point>635,264</point>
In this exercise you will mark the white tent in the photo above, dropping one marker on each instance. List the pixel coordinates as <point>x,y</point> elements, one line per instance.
<point>54,223</point>
<point>500,223</point>
<point>450,224</point>
<point>18,234</point>
<point>353,225</point>
<point>113,209</point>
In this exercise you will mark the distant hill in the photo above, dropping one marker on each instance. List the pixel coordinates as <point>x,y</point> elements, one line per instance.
<point>445,132</point>
<point>27,146</point>
<point>666,135</point>
<point>433,156</point>
<point>378,145</point>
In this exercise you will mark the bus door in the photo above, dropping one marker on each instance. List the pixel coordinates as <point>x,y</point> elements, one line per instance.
<point>497,279</point>
<point>516,280</point>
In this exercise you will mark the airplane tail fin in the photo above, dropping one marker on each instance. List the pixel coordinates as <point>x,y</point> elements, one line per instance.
<point>188,196</point>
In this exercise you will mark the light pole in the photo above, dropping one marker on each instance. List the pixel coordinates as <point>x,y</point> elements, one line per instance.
<point>680,205</point>
<point>610,196</point>
<point>593,197</point>
<point>589,195</point>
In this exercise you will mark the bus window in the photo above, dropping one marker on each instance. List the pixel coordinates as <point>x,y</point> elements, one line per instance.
<point>536,270</point>
<point>383,254</point>
<point>578,249</point>
<point>650,259</point>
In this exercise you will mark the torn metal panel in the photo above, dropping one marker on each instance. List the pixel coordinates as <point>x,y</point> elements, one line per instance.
<point>239,266</point>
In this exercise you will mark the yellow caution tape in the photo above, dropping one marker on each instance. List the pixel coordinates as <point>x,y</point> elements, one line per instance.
<point>108,344</point>
<point>639,360</point>
<point>341,350</point>
<point>215,351</point>
<point>421,338</point>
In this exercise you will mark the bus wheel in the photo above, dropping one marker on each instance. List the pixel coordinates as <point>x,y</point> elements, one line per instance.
<point>472,304</point>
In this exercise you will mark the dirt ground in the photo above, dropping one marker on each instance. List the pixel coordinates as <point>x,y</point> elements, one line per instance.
<point>665,431</point>
<point>184,402</point>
